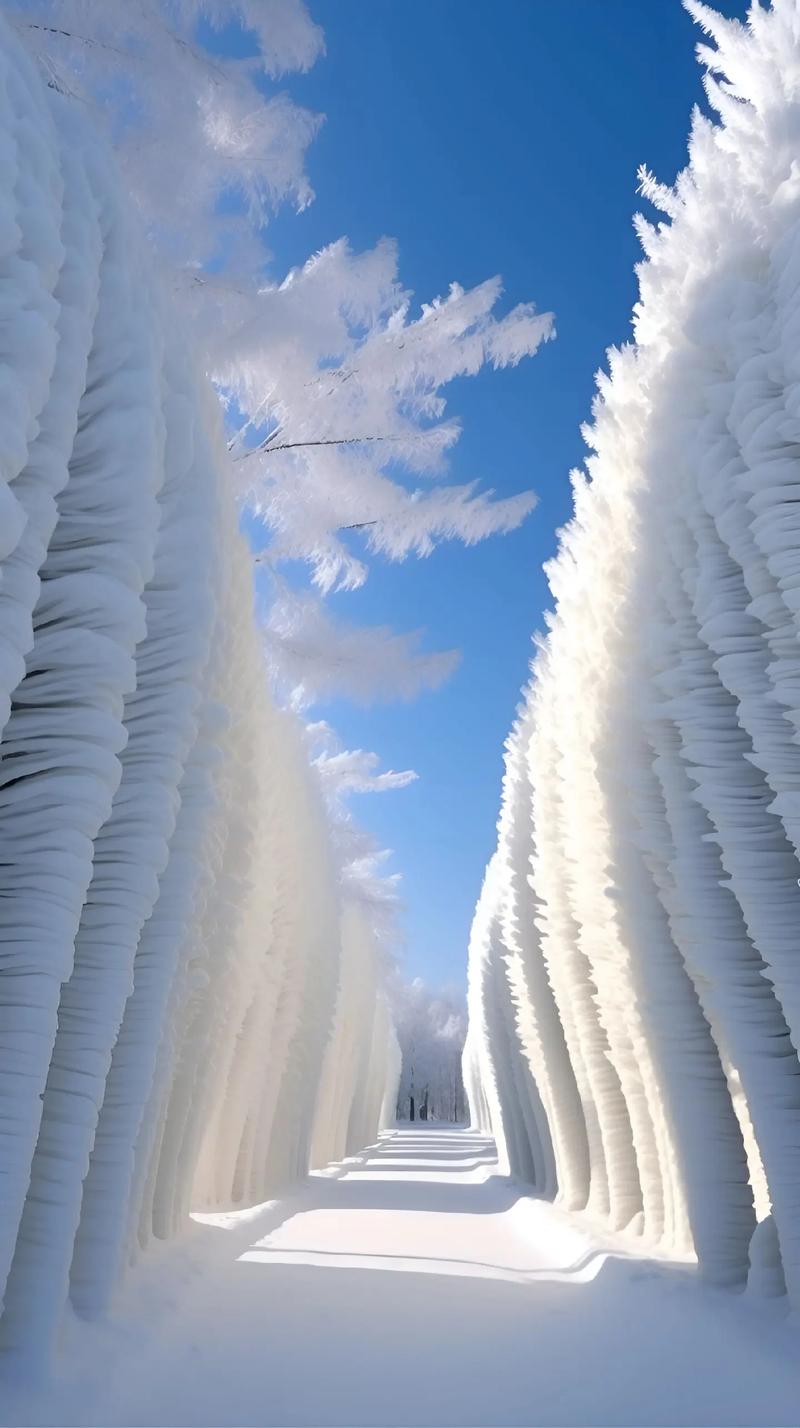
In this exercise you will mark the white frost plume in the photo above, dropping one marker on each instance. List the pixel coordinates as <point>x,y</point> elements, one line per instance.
<point>342,395</point>
<point>314,656</point>
<point>634,983</point>
<point>191,127</point>
<point>342,773</point>
<point>357,771</point>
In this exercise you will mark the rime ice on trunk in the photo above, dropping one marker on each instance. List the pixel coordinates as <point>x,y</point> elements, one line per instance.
<point>170,900</point>
<point>661,731</point>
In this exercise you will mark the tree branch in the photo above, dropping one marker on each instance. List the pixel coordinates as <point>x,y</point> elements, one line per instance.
<point>267,449</point>
<point>355,526</point>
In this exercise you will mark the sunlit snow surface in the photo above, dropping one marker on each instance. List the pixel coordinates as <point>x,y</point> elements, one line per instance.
<point>415,1285</point>
<point>188,1013</point>
<point>634,971</point>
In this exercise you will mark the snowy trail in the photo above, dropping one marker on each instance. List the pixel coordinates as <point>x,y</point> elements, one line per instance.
<point>414,1285</point>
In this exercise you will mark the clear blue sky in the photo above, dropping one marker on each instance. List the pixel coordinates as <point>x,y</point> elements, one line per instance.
<point>487,136</point>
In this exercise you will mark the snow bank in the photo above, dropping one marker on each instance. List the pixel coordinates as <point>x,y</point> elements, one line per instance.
<point>187,1012</point>
<point>634,976</point>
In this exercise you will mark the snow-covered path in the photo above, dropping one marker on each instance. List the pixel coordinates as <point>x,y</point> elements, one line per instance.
<point>416,1286</point>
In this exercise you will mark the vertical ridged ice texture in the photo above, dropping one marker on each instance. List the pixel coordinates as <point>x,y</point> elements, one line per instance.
<point>349,1104</point>
<point>643,905</point>
<point>59,765</point>
<point>175,1002</point>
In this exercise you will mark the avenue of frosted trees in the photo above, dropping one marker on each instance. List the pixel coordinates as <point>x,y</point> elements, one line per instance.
<point>635,959</point>
<point>191,1006</point>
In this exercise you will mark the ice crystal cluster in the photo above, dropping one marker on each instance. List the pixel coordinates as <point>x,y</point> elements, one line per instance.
<point>191,1011</point>
<point>635,958</point>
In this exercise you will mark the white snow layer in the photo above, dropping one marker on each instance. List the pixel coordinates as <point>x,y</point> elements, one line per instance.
<point>188,1013</point>
<point>634,965</point>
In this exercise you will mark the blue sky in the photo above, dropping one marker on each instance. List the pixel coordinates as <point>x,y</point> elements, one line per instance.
<point>487,137</point>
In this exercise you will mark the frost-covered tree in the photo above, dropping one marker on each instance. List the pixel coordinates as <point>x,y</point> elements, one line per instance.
<point>193,977</point>
<point>333,384</point>
<point>172,892</point>
<point>634,1012</point>
<point>431,1026</point>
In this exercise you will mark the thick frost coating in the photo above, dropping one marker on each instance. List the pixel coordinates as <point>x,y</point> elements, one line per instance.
<point>634,971</point>
<point>187,1014</point>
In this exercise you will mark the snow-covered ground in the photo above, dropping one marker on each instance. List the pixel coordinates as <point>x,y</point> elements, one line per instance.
<point>414,1285</point>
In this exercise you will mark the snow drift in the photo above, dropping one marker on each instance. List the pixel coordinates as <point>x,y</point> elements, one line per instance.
<point>190,1009</point>
<point>634,971</point>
